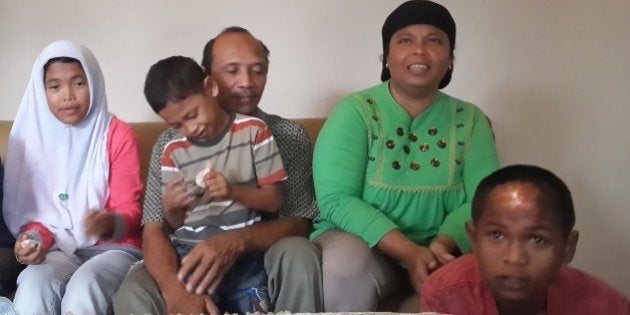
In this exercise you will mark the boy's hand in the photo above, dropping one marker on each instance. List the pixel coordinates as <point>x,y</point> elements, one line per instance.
<point>176,196</point>
<point>28,251</point>
<point>443,247</point>
<point>218,186</point>
<point>100,224</point>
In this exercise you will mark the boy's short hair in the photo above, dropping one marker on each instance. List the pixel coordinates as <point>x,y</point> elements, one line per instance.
<point>172,79</point>
<point>554,193</point>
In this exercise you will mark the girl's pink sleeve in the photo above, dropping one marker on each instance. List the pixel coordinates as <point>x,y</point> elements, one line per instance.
<point>48,239</point>
<point>125,185</point>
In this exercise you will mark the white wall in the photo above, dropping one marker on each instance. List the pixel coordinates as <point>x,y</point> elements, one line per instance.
<point>553,76</point>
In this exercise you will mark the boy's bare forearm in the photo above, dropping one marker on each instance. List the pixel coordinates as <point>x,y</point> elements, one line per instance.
<point>261,236</point>
<point>266,198</point>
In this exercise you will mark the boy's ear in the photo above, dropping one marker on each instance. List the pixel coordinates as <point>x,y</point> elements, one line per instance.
<point>211,86</point>
<point>470,230</point>
<point>571,246</point>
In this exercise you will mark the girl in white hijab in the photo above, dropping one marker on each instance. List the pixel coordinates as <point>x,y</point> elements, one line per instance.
<point>72,188</point>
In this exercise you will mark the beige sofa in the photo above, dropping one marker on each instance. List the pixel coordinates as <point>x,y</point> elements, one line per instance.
<point>148,132</point>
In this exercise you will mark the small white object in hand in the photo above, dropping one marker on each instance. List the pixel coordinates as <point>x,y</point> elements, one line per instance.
<point>29,242</point>
<point>199,179</point>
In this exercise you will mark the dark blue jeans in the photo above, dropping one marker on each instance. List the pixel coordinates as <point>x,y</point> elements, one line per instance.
<point>243,288</point>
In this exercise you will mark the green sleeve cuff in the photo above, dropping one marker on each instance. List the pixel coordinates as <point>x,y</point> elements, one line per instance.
<point>375,230</point>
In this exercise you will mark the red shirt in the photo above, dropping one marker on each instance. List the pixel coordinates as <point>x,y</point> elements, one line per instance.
<point>457,288</point>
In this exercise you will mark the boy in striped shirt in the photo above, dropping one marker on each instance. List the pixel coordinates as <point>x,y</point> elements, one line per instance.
<point>222,172</point>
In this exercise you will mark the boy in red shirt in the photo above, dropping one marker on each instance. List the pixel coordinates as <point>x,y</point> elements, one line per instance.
<point>523,238</point>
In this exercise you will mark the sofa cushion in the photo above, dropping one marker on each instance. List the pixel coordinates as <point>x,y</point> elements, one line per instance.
<point>148,132</point>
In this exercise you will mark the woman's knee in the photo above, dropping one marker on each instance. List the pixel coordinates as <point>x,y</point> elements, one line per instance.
<point>343,255</point>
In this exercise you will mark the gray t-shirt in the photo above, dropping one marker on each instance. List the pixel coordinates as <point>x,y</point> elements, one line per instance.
<point>297,157</point>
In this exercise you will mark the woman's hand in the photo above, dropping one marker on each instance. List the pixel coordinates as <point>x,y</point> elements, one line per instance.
<point>418,260</point>
<point>28,251</point>
<point>443,248</point>
<point>100,224</point>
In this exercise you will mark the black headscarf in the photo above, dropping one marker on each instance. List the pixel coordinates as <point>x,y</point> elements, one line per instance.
<point>418,12</point>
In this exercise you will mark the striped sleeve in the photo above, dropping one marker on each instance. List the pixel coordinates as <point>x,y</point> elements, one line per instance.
<point>169,167</point>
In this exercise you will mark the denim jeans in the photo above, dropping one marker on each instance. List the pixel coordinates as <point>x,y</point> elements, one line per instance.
<point>81,284</point>
<point>244,287</point>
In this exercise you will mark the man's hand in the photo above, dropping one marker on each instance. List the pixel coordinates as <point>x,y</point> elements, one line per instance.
<point>218,186</point>
<point>100,224</point>
<point>178,301</point>
<point>28,251</point>
<point>204,267</point>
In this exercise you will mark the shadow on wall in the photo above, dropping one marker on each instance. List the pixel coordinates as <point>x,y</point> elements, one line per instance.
<point>529,126</point>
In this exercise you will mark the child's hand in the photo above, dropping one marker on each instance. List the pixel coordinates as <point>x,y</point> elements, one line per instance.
<point>100,224</point>
<point>28,251</point>
<point>176,197</point>
<point>218,186</point>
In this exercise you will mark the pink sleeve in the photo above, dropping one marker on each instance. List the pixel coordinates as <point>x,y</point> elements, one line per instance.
<point>48,239</point>
<point>125,185</point>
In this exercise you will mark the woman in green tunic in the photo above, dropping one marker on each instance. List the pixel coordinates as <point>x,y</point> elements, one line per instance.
<point>396,167</point>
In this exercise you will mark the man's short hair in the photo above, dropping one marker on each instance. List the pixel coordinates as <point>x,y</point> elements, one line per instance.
<point>554,195</point>
<point>173,79</point>
<point>206,59</point>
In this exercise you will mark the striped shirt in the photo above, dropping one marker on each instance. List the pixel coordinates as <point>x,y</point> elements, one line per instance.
<point>245,153</point>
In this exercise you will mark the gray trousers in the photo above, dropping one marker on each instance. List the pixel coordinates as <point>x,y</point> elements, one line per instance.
<point>355,276</point>
<point>294,282</point>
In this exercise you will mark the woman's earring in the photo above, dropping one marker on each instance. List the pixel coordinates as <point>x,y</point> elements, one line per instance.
<point>450,67</point>
<point>386,65</point>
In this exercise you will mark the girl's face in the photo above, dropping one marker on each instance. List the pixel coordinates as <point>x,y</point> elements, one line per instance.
<point>67,91</point>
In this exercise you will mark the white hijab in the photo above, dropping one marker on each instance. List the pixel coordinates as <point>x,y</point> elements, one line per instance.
<point>49,161</point>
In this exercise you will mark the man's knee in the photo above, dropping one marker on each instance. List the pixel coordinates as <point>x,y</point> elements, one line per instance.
<point>294,252</point>
<point>138,293</point>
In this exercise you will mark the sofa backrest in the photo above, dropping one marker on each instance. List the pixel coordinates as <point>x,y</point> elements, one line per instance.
<point>148,132</point>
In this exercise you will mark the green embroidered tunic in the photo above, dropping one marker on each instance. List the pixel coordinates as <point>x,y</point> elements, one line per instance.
<point>376,169</point>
